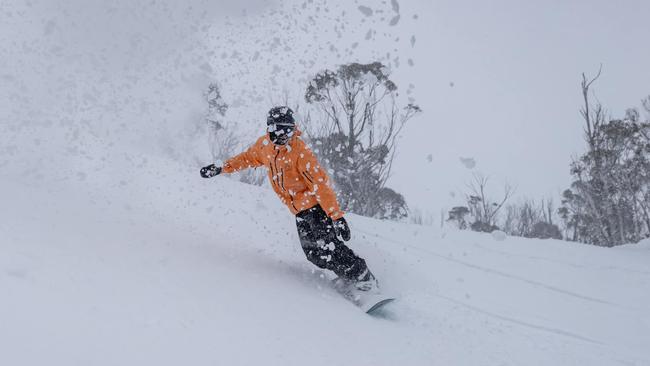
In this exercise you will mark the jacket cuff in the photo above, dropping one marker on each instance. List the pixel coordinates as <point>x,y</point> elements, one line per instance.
<point>227,168</point>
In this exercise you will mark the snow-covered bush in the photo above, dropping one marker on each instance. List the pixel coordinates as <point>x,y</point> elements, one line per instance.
<point>458,215</point>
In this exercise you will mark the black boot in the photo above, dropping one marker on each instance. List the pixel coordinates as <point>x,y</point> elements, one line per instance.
<point>367,282</point>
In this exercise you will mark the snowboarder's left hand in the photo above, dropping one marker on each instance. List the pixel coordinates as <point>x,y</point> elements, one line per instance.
<point>342,228</point>
<point>210,171</point>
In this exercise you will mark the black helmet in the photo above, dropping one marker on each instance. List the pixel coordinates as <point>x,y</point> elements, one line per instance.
<point>280,124</point>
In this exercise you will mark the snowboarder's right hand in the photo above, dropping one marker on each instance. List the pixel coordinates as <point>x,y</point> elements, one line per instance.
<point>210,171</point>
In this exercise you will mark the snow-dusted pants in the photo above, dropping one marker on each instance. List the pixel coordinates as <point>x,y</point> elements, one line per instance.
<point>324,248</point>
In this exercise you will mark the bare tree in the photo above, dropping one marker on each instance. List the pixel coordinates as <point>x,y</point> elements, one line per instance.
<point>548,210</point>
<point>481,207</point>
<point>510,220</point>
<point>593,116</point>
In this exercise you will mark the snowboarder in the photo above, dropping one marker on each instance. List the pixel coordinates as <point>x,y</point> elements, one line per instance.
<point>303,185</point>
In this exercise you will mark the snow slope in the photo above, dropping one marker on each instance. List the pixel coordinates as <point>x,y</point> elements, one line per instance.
<point>126,258</point>
<point>114,252</point>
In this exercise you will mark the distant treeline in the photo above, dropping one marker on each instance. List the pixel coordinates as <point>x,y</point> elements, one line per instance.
<point>608,202</point>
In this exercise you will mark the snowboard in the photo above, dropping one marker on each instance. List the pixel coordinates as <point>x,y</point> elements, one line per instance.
<point>375,303</point>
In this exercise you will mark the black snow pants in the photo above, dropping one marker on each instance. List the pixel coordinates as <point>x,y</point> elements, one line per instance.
<point>323,247</point>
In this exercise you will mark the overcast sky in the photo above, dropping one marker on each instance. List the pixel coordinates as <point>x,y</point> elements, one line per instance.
<point>498,80</point>
<point>515,67</point>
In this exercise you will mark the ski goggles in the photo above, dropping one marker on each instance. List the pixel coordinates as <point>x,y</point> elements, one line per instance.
<point>280,128</point>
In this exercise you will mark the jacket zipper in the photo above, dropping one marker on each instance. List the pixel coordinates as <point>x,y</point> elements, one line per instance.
<point>275,162</point>
<point>280,182</point>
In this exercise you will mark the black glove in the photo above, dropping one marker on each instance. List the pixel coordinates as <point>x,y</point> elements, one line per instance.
<point>342,229</point>
<point>210,171</point>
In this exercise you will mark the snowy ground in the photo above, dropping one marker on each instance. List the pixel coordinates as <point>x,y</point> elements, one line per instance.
<point>113,251</point>
<point>148,264</point>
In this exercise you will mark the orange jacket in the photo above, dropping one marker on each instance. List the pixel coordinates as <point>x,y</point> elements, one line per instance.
<point>294,172</point>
